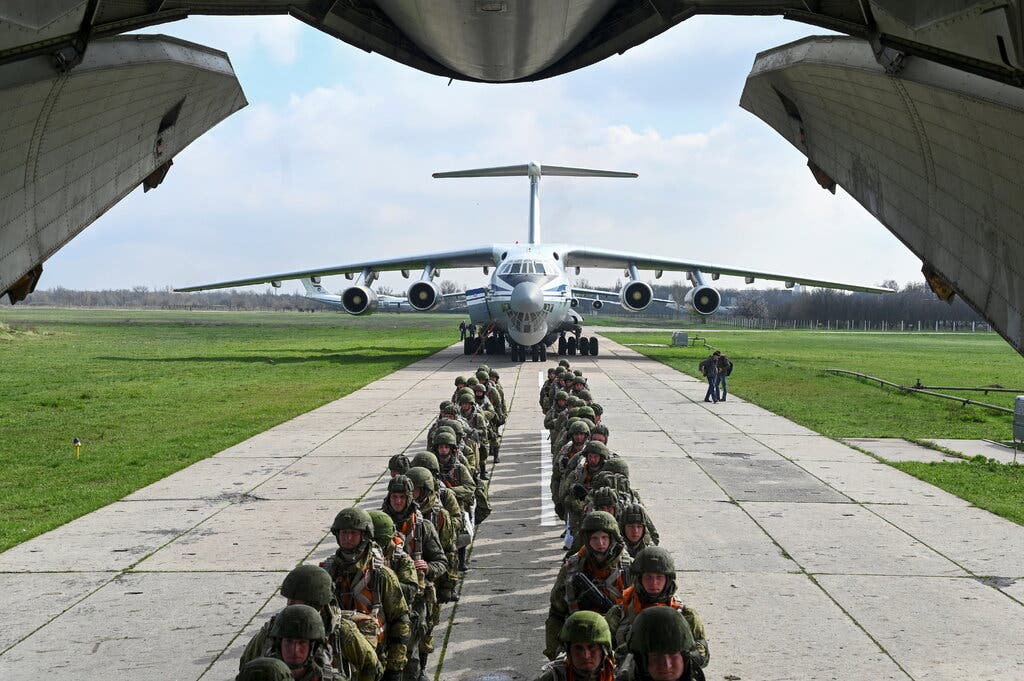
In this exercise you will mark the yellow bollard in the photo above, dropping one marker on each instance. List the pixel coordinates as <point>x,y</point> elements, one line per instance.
<point>78,447</point>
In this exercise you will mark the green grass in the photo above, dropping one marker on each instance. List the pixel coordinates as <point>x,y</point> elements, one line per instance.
<point>150,392</point>
<point>782,371</point>
<point>993,486</point>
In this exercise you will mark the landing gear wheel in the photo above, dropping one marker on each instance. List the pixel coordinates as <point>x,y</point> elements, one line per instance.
<point>561,345</point>
<point>584,345</point>
<point>534,355</point>
<point>467,346</point>
<point>593,346</point>
<point>570,346</point>
<point>543,353</point>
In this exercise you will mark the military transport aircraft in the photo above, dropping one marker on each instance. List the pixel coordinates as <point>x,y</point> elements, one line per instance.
<point>529,302</point>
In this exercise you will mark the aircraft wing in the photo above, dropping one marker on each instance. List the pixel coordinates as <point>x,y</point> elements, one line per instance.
<point>604,258</point>
<point>483,256</point>
<point>614,295</point>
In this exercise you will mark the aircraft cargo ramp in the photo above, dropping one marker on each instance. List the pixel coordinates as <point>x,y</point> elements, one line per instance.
<point>807,559</point>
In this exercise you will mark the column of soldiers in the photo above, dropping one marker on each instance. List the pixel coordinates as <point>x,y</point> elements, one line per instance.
<point>613,611</point>
<point>368,612</point>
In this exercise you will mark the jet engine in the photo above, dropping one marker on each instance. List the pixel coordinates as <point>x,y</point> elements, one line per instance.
<point>597,304</point>
<point>636,296</point>
<point>359,300</point>
<point>703,299</point>
<point>424,295</point>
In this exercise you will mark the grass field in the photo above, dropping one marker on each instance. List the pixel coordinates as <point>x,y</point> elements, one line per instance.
<point>150,392</point>
<point>782,371</point>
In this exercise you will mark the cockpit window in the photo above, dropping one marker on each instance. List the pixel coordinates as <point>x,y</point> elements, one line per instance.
<point>505,268</point>
<point>516,266</point>
<point>539,268</point>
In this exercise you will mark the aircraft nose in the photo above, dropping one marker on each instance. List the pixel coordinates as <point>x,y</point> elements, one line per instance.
<point>527,297</point>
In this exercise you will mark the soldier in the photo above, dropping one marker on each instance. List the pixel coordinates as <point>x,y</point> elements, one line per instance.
<point>585,396</point>
<point>398,464</point>
<point>478,421</point>
<point>396,558</point>
<point>599,433</point>
<point>493,395</point>
<point>496,382</point>
<point>467,439</point>
<point>298,639</point>
<point>633,523</point>
<point>598,411</point>
<point>364,585</point>
<point>559,405</point>
<point>421,541</point>
<point>578,482</point>
<point>600,499</point>
<point>460,383</point>
<point>588,645</point>
<point>545,390</point>
<point>265,669</point>
<point>661,648</point>
<point>654,583</point>
<point>593,578</point>
<point>579,434</point>
<point>346,650</point>
<point>579,385</point>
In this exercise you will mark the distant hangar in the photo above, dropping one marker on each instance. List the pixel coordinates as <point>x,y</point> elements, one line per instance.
<point>917,114</point>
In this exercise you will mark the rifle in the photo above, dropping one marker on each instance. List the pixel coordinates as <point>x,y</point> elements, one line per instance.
<point>588,596</point>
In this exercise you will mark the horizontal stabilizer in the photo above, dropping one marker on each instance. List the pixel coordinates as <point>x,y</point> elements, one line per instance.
<point>533,169</point>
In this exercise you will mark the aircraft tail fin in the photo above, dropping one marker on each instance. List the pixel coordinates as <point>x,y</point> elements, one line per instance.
<point>534,171</point>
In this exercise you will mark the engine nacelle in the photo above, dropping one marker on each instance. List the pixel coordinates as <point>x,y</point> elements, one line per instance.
<point>636,296</point>
<point>597,304</point>
<point>359,300</point>
<point>703,299</point>
<point>424,295</point>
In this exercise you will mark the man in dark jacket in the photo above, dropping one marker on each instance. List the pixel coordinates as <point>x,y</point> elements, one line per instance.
<point>710,369</point>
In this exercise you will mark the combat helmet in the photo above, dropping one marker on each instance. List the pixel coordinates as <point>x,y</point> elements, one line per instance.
<point>264,669</point>
<point>586,412</point>
<point>597,448</point>
<point>467,398</point>
<point>428,460</point>
<point>575,402</point>
<point>633,514</point>
<point>576,373</point>
<point>484,368</point>
<point>401,484</point>
<point>598,409</point>
<point>383,527</point>
<point>299,621</point>
<point>355,519</point>
<point>461,380</point>
<point>599,429</point>
<point>444,404</point>
<point>586,626</point>
<point>561,395</point>
<point>482,375</point>
<point>310,584</point>
<point>451,408</point>
<point>600,521</point>
<point>399,462</point>
<point>616,464</point>
<point>472,382</point>
<point>492,373</point>
<point>604,496</point>
<point>584,395</point>
<point>564,363</point>
<point>654,559</point>
<point>662,629</point>
<point>422,479</point>
<point>579,426</point>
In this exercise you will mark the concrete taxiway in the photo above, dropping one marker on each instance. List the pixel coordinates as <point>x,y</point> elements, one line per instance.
<point>806,558</point>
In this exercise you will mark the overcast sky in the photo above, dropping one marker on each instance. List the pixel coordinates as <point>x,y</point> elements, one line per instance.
<point>331,162</point>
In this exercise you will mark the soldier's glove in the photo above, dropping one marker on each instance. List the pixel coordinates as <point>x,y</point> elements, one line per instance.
<point>579,491</point>
<point>392,675</point>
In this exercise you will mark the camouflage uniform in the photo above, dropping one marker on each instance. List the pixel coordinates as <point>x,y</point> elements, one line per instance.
<point>635,514</point>
<point>659,630</point>
<point>299,622</point>
<point>579,432</point>
<point>265,669</point>
<point>363,584</point>
<point>581,627</point>
<point>479,422</point>
<point>346,651</point>
<point>577,483</point>
<point>635,600</point>
<point>609,574</point>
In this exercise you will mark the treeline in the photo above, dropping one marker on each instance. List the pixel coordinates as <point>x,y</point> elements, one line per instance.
<point>911,304</point>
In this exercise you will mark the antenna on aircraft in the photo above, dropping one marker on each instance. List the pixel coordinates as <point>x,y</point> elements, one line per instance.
<point>534,171</point>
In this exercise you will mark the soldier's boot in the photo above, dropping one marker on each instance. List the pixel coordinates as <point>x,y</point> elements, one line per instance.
<point>496,451</point>
<point>462,560</point>
<point>423,667</point>
<point>483,471</point>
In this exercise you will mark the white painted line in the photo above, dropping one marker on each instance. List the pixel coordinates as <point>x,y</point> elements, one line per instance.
<point>548,517</point>
<point>540,379</point>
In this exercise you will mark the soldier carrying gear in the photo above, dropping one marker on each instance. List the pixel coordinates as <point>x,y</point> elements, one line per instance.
<point>577,483</point>
<point>265,669</point>
<point>579,435</point>
<point>559,405</point>
<point>588,646</point>
<point>585,396</point>
<point>599,433</point>
<point>600,499</point>
<point>478,421</point>
<point>598,411</point>
<point>654,583</point>
<point>460,383</point>
<point>593,578</point>
<point>398,464</point>
<point>635,525</point>
<point>661,647</point>
<point>345,650</point>
<point>365,586</point>
<point>447,496</point>
<point>298,639</point>
<point>564,363</point>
